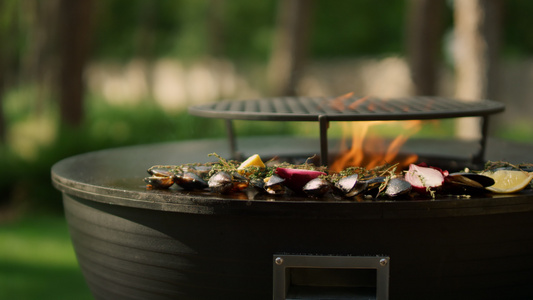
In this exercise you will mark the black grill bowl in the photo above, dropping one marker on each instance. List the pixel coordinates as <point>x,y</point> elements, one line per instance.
<point>137,244</point>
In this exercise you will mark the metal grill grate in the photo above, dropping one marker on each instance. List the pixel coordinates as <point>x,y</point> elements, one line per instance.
<point>347,108</point>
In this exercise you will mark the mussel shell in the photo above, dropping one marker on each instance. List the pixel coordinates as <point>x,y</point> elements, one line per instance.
<point>371,186</point>
<point>397,187</point>
<point>190,181</point>
<point>350,186</point>
<point>274,180</point>
<point>221,182</point>
<point>360,187</point>
<point>201,170</point>
<point>376,181</point>
<point>346,184</point>
<point>164,171</point>
<point>274,185</point>
<point>317,187</point>
<point>239,182</point>
<point>483,180</point>
<point>458,183</point>
<point>258,184</point>
<point>159,182</point>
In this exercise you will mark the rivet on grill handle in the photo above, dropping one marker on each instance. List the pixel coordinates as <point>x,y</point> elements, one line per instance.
<point>383,262</point>
<point>279,261</point>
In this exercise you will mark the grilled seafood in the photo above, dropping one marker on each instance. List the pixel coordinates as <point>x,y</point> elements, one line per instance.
<point>274,185</point>
<point>190,181</point>
<point>397,187</point>
<point>317,187</point>
<point>381,183</point>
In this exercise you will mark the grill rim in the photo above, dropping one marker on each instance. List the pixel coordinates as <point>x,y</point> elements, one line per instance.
<point>67,177</point>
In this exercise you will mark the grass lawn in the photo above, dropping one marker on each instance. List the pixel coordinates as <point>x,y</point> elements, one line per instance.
<point>37,260</point>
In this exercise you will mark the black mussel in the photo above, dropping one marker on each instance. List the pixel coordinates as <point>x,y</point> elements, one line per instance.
<point>481,180</point>
<point>190,181</point>
<point>164,171</point>
<point>346,184</point>
<point>316,188</point>
<point>351,186</point>
<point>221,182</point>
<point>274,185</point>
<point>240,182</point>
<point>373,185</point>
<point>159,182</point>
<point>397,187</point>
<point>200,170</point>
<point>468,183</point>
<point>258,184</point>
<point>359,188</point>
<point>376,181</point>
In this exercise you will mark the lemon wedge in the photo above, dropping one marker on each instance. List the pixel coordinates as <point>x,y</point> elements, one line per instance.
<point>508,181</point>
<point>252,161</point>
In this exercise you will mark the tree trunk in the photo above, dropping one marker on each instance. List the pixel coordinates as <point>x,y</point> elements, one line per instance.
<point>41,62</point>
<point>424,34</point>
<point>477,39</point>
<point>215,25</point>
<point>2,92</point>
<point>8,55</point>
<point>290,46</point>
<point>75,33</point>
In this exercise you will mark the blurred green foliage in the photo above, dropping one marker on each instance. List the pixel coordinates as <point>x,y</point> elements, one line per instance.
<point>130,28</point>
<point>125,28</point>
<point>341,28</point>
<point>346,28</point>
<point>37,261</point>
<point>517,41</point>
<point>26,180</point>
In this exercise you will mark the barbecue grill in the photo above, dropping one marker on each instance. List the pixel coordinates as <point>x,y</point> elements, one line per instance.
<point>134,243</point>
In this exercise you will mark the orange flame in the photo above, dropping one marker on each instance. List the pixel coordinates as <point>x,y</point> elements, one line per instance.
<point>370,151</point>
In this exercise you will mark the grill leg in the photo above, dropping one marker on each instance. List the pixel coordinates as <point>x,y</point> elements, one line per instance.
<point>231,138</point>
<point>479,158</point>
<point>324,125</point>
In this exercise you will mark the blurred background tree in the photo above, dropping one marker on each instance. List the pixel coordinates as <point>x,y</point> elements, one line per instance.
<point>77,77</point>
<point>75,35</point>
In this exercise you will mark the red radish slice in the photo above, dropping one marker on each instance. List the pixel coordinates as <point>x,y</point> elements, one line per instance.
<point>424,178</point>
<point>295,179</point>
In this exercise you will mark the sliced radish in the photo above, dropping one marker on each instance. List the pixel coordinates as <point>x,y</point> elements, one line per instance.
<point>423,178</point>
<point>295,179</point>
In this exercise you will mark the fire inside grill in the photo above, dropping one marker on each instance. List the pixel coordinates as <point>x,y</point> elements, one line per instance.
<point>337,181</point>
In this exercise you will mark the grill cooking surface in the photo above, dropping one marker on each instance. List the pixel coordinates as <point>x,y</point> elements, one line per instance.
<point>345,109</point>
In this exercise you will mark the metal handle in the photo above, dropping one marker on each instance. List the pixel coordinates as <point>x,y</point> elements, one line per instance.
<point>332,277</point>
